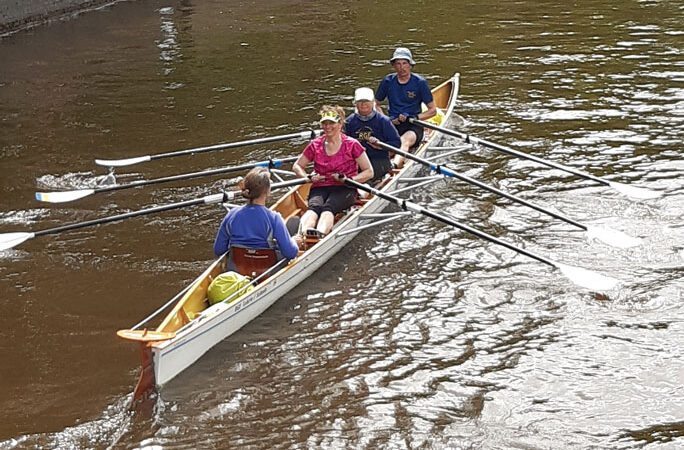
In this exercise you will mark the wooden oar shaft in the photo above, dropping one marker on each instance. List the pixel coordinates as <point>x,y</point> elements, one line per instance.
<point>204,173</point>
<point>410,206</point>
<point>448,172</point>
<point>209,199</point>
<point>475,140</point>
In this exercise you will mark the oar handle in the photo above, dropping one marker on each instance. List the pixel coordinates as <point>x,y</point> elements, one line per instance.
<point>448,172</point>
<point>413,207</point>
<point>475,140</point>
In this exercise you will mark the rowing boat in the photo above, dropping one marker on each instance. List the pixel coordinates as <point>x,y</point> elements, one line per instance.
<point>192,327</point>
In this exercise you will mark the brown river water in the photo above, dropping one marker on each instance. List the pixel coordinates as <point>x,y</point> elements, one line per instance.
<point>415,335</point>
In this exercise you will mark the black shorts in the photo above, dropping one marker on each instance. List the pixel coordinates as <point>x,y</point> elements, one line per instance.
<point>403,127</point>
<point>381,166</point>
<point>331,198</point>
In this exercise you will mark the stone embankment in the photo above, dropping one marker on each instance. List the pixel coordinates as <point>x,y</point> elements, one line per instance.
<point>18,14</point>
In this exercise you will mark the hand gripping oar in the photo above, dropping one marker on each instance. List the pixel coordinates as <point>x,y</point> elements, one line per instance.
<point>191,151</point>
<point>9,240</point>
<point>577,275</point>
<point>609,236</point>
<point>68,196</point>
<point>625,189</point>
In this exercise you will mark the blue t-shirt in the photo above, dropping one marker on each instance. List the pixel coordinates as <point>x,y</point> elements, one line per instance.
<point>380,127</point>
<point>406,98</point>
<point>254,226</point>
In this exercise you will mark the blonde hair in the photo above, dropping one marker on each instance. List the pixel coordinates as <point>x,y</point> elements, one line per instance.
<point>256,183</point>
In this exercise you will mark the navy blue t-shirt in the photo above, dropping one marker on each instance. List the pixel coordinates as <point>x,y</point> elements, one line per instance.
<point>406,98</point>
<point>380,127</point>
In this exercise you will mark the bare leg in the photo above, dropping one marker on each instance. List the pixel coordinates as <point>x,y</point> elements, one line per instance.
<point>309,219</point>
<point>326,222</point>
<point>408,139</point>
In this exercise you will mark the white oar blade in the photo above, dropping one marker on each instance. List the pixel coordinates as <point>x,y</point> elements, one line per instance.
<point>634,192</point>
<point>62,197</point>
<point>9,240</point>
<point>587,278</point>
<point>612,237</point>
<point>122,162</point>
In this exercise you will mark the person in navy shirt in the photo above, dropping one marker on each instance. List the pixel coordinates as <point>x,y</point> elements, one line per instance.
<point>405,93</point>
<point>254,225</point>
<point>368,126</point>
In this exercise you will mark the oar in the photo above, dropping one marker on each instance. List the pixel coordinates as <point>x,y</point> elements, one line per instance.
<point>577,275</point>
<point>607,235</point>
<point>625,189</point>
<point>191,151</point>
<point>68,196</point>
<point>9,240</point>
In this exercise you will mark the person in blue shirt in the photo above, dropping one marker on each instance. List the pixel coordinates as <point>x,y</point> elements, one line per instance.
<point>368,126</point>
<point>254,225</point>
<point>405,93</point>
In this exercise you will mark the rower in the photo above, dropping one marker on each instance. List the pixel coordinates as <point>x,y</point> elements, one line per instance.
<point>332,153</point>
<point>368,126</point>
<point>405,92</point>
<point>256,236</point>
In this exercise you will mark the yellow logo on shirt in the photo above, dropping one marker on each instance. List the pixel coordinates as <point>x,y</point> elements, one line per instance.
<point>411,94</point>
<point>364,135</point>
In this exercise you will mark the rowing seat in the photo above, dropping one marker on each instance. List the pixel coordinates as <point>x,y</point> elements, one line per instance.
<point>252,262</point>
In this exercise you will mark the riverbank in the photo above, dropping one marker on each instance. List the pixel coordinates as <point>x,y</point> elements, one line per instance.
<point>16,15</point>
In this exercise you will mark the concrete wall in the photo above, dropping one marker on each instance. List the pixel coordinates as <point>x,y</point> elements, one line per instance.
<point>16,14</point>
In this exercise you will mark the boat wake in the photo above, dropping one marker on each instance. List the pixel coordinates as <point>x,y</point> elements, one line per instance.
<point>76,180</point>
<point>104,432</point>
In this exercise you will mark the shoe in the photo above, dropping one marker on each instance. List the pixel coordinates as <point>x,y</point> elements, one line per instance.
<point>314,233</point>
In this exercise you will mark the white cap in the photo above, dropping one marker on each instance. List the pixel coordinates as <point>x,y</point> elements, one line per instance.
<point>364,95</point>
<point>403,53</point>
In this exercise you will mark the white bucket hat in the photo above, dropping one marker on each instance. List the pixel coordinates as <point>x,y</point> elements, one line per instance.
<point>364,94</point>
<point>403,53</point>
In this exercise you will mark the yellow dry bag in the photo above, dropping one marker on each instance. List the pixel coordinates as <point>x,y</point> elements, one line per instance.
<point>225,285</point>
